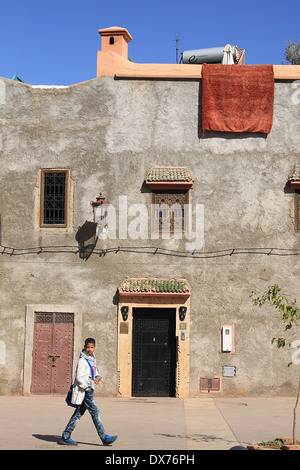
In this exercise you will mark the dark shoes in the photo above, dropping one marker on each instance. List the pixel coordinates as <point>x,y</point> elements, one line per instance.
<point>69,442</point>
<point>109,440</point>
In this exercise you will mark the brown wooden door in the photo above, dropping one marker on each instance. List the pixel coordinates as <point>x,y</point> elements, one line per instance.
<point>52,353</point>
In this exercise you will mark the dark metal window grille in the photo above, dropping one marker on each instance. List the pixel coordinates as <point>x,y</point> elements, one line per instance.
<point>45,317</point>
<point>54,198</point>
<point>64,318</point>
<point>168,214</point>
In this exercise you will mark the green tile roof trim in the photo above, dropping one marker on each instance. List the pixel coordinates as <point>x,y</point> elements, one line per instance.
<point>295,175</point>
<point>155,286</point>
<point>169,174</point>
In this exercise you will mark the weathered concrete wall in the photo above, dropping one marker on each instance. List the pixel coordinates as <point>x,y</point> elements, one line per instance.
<point>109,133</point>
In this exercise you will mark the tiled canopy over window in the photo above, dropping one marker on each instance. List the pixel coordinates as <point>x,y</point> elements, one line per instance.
<point>294,178</point>
<point>169,177</point>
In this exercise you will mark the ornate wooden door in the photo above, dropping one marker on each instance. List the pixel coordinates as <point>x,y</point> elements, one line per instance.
<point>153,352</point>
<point>52,353</point>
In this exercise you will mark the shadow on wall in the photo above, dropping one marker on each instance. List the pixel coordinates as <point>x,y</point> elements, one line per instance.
<point>87,239</point>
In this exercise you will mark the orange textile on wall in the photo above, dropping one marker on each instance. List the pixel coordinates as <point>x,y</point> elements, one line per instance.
<point>237,98</point>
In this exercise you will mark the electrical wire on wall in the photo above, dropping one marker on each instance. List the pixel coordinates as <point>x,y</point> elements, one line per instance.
<point>152,250</point>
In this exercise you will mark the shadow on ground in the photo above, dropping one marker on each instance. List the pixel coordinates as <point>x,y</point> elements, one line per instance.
<point>55,439</point>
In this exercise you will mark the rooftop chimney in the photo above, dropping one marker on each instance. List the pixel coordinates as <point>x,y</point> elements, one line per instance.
<point>116,40</point>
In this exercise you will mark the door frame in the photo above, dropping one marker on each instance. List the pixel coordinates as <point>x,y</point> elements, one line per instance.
<point>29,333</point>
<point>182,332</point>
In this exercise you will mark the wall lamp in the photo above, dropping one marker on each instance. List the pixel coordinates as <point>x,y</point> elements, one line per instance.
<point>182,313</point>
<point>100,209</point>
<point>124,311</point>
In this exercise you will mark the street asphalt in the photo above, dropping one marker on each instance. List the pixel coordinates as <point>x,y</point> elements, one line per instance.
<point>205,423</point>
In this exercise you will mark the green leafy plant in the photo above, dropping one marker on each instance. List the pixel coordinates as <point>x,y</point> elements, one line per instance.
<point>290,314</point>
<point>276,444</point>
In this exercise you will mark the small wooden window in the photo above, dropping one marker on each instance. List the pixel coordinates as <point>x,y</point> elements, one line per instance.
<point>168,211</point>
<point>111,40</point>
<point>297,211</point>
<point>54,198</point>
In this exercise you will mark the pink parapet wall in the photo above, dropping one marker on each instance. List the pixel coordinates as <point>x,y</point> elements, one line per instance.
<point>110,64</point>
<point>112,61</point>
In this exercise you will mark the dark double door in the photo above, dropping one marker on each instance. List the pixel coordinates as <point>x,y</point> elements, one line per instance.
<point>153,352</point>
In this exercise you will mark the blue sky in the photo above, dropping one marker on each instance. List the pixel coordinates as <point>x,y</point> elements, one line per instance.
<point>56,41</point>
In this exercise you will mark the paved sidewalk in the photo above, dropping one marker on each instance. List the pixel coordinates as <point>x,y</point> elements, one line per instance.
<point>205,423</point>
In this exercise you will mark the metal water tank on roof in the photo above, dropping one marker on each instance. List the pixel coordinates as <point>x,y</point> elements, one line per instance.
<point>212,55</point>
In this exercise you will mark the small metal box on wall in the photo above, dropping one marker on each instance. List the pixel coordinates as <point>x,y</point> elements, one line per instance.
<point>228,371</point>
<point>210,384</point>
<point>227,343</point>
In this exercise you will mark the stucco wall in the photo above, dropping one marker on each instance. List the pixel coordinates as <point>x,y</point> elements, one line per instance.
<point>109,133</point>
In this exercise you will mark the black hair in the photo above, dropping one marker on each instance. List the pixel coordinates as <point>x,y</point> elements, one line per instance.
<point>89,340</point>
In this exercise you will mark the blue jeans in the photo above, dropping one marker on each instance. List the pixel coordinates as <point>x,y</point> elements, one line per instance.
<point>87,404</point>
